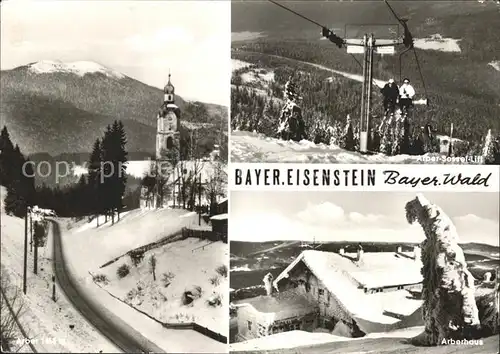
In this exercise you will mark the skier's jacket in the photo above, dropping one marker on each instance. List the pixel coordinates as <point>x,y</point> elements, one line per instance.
<point>406,91</point>
<point>390,92</point>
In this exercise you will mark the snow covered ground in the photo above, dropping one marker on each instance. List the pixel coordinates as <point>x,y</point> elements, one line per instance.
<point>294,339</point>
<point>255,147</point>
<point>46,322</point>
<point>88,247</point>
<point>79,68</point>
<point>245,36</point>
<point>495,65</point>
<point>437,42</point>
<point>181,266</point>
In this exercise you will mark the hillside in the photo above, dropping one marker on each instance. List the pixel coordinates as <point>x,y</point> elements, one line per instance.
<point>52,107</point>
<point>182,265</point>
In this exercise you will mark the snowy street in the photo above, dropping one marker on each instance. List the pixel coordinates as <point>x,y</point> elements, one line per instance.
<point>124,336</point>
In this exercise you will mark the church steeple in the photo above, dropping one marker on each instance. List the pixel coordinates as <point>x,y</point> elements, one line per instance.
<point>169,91</point>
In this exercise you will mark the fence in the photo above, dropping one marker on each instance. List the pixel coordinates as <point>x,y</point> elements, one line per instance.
<point>201,234</point>
<point>176,236</point>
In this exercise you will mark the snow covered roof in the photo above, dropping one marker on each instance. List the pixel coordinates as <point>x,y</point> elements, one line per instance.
<point>222,200</point>
<point>171,105</point>
<point>283,305</point>
<point>219,217</point>
<point>345,278</point>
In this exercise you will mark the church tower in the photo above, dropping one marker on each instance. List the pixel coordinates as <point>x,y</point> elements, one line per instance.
<point>168,125</point>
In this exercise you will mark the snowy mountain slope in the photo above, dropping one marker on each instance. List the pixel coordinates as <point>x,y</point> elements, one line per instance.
<point>88,248</point>
<point>44,320</point>
<point>255,147</point>
<point>79,68</point>
<point>56,107</point>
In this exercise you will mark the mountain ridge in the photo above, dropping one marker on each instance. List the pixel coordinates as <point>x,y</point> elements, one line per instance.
<point>56,108</point>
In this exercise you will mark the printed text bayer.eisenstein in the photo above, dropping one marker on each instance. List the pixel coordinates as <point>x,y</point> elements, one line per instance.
<point>357,177</point>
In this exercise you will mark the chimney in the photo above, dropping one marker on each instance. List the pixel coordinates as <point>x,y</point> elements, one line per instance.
<point>360,252</point>
<point>342,251</point>
<point>400,249</point>
<point>416,253</point>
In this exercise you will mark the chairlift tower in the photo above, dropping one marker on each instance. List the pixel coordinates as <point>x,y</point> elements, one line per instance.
<point>369,46</point>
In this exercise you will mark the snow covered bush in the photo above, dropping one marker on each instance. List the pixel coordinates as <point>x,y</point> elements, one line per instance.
<point>136,256</point>
<point>449,309</point>
<point>101,278</point>
<point>166,278</point>
<point>215,300</point>
<point>123,271</point>
<point>189,295</point>
<point>214,280</point>
<point>222,270</point>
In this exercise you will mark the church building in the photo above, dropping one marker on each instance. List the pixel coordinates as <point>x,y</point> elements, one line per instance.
<point>168,126</point>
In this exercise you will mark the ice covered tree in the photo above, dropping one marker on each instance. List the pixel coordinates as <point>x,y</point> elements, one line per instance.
<point>491,149</point>
<point>347,139</point>
<point>449,309</point>
<point>291,124</point>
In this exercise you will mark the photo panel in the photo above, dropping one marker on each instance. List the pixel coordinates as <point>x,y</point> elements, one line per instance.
<point>113,174</point>
<point>360,271</point>
<point>393,82</point>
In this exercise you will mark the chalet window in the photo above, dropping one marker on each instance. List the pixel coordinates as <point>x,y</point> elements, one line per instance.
<point>249,325</point>
<point>262,331</point>
<point>320,292</point>
<point>328,297</point>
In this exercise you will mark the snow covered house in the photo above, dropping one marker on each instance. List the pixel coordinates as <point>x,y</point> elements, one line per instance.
<point>346,294</point>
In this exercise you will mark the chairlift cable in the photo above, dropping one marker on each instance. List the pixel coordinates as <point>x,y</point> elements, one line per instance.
<point>296,13</point>
<point>412,46</point>
<point>311,21</point>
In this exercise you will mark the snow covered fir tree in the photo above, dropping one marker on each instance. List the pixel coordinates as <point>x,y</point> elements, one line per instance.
<point>291,124</point>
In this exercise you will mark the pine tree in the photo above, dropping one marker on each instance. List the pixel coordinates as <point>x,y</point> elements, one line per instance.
<point>348,136</point>
<point>94,180</point>
<point>120,139</point>
<point>106,182</point>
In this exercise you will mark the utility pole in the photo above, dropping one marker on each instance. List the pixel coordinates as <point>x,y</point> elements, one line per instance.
<point>199,200</point>
<point>25,270</point>
<point>31,233</point>
<point>366,94</point>
<point>35,254</point>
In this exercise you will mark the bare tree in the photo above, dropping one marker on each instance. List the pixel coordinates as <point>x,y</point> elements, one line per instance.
<point>152,264</point>
<point>216,185</point>
<point>10,312</point>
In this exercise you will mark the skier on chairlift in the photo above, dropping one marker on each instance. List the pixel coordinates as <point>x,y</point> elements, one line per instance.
<point>390,91</point>
<point>406,93</point>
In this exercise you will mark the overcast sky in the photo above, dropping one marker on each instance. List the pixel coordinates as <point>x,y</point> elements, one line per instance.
<point>356,216</point>
<point>141,39</point>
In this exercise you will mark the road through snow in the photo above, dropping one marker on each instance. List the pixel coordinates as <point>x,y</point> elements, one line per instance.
<point>120,333</point>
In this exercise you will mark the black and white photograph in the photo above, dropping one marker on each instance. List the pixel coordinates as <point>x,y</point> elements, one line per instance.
<point>113,174</point>
<point>390,82</point>
<point>364,272</point>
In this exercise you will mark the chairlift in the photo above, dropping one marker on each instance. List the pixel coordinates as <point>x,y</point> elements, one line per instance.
<point>409,44</point>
